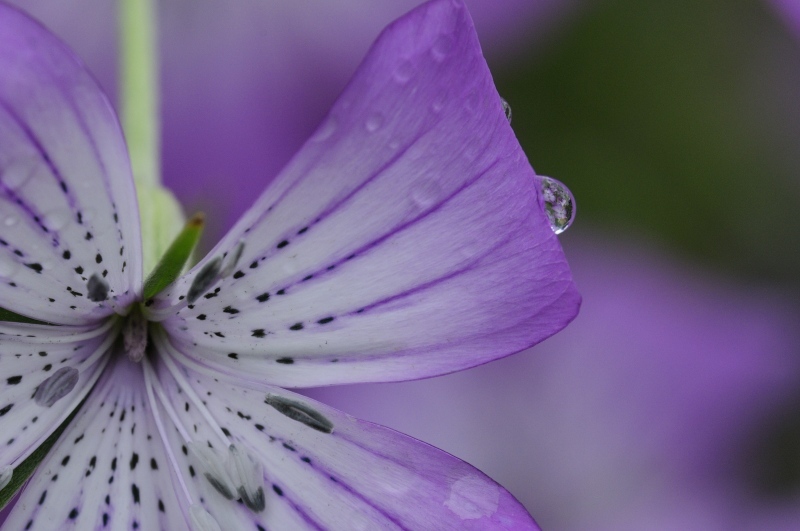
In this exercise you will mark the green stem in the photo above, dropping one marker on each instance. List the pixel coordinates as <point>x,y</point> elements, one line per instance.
<point>160,214</point>
<point>139,88</point>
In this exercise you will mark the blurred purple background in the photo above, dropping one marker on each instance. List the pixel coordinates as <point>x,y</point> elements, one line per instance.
<point>673,401</point>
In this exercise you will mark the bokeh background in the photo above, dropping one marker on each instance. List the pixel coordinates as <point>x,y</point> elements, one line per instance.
<point>673,400</point>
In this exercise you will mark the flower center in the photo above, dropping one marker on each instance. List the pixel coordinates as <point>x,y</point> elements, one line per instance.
<point>134,335</point>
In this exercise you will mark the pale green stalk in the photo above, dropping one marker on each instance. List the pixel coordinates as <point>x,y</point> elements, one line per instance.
<point>161,215</point>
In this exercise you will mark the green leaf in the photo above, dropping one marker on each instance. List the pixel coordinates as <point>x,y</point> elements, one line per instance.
<point>175,258</point>
<point>26,469</point>
<point>9,316</point>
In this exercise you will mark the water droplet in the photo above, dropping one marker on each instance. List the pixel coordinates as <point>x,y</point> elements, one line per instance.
<point>374,123</point>
<point>442,47</point>
<point>438,104</point>
<point>425,193</point>
<point>559,204</point>
<point>88,214</point>
<point>472,102</point>
<point>326,130</point>
<point>7,266</point>
<point>289,268</point>
<point>404,72</point>
<point>58,219</point>
<point>10,221</point>
<point>506,109</point>
<point>19,172</point>
<point>468,251</point>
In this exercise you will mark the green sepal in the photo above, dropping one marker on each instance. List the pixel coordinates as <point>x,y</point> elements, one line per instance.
<point>175,258</point>
<point>25,470</point>
<point>9,316</point>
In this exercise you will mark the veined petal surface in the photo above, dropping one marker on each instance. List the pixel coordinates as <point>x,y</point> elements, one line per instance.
<point>108,470</point>
<point>324,469</point>
<point>45,372</point>
<point>406,239</point>
<point>68,208</point>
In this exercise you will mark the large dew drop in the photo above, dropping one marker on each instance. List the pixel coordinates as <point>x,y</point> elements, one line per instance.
<point>559,204</point>
<point>506,109</point>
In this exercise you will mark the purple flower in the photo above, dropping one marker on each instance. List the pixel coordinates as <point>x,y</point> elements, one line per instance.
<point>407,238</point>
<point>641,415</point>
<point>243,88</point>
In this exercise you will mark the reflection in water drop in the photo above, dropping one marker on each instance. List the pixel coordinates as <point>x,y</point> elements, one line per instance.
<point>559,204</point>
<point>506,109</point>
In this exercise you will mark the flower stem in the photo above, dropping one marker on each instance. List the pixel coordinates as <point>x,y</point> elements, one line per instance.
<point>139,88</point>
<point>160,214</point>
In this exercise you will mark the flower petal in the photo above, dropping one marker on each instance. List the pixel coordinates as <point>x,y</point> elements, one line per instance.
<point>68,209</point>
<point>358,476</point>
<point>405,240</point>
<point>45,372</point>
<point>108,469</point>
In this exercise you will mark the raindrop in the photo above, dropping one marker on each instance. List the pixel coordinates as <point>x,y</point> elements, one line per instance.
<point>438,104</point>
<point>58,219</point>
<point>506,109</point>
<point>20,171</point>
<point>404,72</point>
<point>326,130</point>
<point>10,221</point>
<point>425,193</point>
<point>7,266</point>
<point>374,123</point>
<point>559,204</point>
<point>88,214</point>
<point>441,48</point>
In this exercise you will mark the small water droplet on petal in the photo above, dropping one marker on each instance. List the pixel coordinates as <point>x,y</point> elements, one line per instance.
<point>7,266</point>
<point>57,219</point>
<point>438,103</point>
<point>425,193</point>
<point>559,204</point>
<point>374,123</point>
<point>506,109</point>
<point>441,48</point>
<point>10,221</point>
<point>404,72</point>
<point>326,130</point>
<point>19,171</point>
